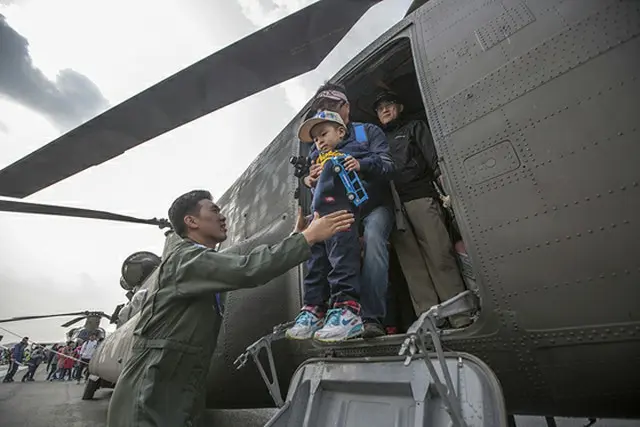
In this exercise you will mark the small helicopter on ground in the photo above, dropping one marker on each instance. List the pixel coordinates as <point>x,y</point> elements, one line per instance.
<point>91,323</point>
<point>533,108</point>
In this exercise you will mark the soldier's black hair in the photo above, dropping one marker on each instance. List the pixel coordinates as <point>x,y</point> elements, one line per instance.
<point>187,204</point>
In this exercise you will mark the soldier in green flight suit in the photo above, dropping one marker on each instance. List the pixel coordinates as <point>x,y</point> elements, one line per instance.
<point>163,382</point>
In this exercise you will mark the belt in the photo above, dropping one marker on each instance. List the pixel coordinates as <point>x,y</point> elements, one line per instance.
<point>166,344</point>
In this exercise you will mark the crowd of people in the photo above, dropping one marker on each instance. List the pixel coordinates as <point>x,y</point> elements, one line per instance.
<point>68,361</point>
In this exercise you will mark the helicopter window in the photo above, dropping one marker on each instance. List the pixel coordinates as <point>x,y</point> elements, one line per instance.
<point>393,68</point>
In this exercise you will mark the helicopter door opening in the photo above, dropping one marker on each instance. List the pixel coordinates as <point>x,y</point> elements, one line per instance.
<point>392,68</point>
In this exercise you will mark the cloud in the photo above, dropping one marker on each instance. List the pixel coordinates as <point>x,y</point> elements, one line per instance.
<point>26,131</point>
<point>3,128</point>
<point>67,102</point>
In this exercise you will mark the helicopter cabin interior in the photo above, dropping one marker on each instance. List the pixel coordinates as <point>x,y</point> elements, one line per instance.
<point>393,68</point>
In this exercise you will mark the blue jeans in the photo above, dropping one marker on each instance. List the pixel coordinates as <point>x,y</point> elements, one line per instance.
<point>375,268</point>
<point>333,270</point>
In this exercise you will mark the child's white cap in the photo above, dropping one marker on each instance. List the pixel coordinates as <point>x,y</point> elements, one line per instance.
<point>304,133</point>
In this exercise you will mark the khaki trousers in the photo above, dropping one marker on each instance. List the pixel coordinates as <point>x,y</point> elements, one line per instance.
<point>426,255</point>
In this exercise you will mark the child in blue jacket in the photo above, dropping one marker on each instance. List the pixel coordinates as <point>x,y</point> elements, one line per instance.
<point>334,268</point>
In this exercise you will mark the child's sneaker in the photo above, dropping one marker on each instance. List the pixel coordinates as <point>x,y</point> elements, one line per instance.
<point>341,324</point>
<point>307,323</point>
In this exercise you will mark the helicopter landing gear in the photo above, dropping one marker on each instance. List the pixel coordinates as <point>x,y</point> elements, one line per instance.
<point>92,385</point>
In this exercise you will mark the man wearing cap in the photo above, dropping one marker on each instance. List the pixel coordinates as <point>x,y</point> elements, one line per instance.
<point>377,213</point>
<point>17,354</point>
<point>424,248</point>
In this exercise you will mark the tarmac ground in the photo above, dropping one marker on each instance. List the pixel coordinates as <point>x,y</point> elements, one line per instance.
<point>44,403</point>
<point>58,403</point>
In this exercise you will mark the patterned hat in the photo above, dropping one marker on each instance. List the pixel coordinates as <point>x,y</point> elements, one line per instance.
<point>304,133</point>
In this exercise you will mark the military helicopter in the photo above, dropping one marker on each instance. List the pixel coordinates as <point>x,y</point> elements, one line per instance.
<point>528,102</point>
<point>91,324</point>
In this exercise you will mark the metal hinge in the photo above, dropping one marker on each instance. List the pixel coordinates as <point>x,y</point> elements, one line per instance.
<point>254,351</point>
<point>425,329</point>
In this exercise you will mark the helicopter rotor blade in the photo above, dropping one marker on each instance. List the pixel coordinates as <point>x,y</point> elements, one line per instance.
<point>35,208</point>
<point>45,316</point>
<point>72,321</point>
<point>87,315</point>
<point>290,47</point>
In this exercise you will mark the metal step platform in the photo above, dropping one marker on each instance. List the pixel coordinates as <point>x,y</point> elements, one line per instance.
<point>414,389</point>
<point>383,392</point>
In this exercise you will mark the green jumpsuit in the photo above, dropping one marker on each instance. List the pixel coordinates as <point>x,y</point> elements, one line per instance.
<point>163,381</point>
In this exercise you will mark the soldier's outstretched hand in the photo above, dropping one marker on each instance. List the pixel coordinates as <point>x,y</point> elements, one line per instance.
<point>321,228</point>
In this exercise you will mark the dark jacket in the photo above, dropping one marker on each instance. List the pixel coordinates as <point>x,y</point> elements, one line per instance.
<point>36,357</point>
<point>51,355</point>
<point>18,352</point>
<point>376,165</point>
<point>415,158</point>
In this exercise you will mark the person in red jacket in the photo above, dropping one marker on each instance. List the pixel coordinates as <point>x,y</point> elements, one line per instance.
<point>68,363</point>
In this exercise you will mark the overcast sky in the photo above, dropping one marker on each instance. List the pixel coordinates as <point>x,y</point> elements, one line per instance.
<point>61,63</point>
